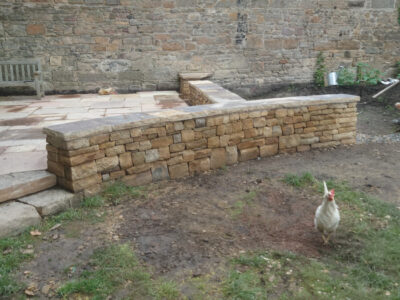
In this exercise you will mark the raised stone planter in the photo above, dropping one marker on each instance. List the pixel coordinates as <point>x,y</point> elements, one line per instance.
<point>143,147</point>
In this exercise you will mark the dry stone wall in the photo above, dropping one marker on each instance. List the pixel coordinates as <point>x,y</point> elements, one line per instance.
<point>144,147</point>
<point>144,44</point>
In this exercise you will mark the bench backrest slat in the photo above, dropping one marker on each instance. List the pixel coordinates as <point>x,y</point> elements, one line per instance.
<point>13,71</point>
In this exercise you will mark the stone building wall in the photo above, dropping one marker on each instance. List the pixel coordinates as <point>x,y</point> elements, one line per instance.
<point>144,147</point>
<point>144,44</point>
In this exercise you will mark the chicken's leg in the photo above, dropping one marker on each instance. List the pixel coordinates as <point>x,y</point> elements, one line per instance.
<point>325,240</point>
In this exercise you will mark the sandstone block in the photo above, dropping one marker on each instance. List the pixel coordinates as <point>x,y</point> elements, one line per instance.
<point>52,201</point>
<point>107,163</point>
<point>138,158</point>
<point>202,153</point>
<point>268,150</point>
<point>188,155</point>
<point>125,160</point>
<point>159,171</point>
<point>231,155</point>
<point>218,158</point>
<point>248,154</point>
<point>213,142</point>
<point>162,142</point>
<point>276,131</point>
<point>259,122</point>
<point>187,135</point>
<point>202,143</point>
<point>289,141</point>
<point>114,151</point>
<point>177,138</point>
<point>132,146</point>
<point>199,165</point>
<point>15,217</point>
<point>251,144</point>
<point>106,145</point>
<point>176,147</point>
<point>175,160</point>
<point>144,145</point>
<point>81,171</point>
<point>56,168</point>
<point>189,124</point>
<point>17,185</point>
<point>152,155</point>
<point>248,123</point>
<point>179,170</point>
<point>200,123</point>
<point>164,153</point>
<point>287,130</point>
<point>136,132</point>
<point>303,148</point>
<point>119,135</point>
<point>35,29</point>
<point>178,126</point>
<point>281,113</point>
<point>309,141</point>
<point>139,168</point>
<point>345,135</point>
<point>138,179</point>
<point>81,184</point>
<point>117,174</point>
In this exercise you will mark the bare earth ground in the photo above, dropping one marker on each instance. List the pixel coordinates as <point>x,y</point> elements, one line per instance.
<point>189,227</point>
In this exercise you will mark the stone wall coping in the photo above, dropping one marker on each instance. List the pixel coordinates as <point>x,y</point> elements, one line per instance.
<point>194,75</point>
<point>222,104</point>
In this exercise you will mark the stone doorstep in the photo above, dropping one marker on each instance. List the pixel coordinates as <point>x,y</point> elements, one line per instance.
<point>16,216</point>
<point>17,185</point>
<point>51,201</point>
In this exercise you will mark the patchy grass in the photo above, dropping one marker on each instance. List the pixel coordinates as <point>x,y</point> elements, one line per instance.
<point>245,200</point>
<point>299,181</point>
<point>116,269</point>
<point>12,248</point>
<point>118,191</point>
<point>362,263</point>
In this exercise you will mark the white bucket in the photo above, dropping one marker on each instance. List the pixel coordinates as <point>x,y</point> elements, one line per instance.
<point>332,78</point>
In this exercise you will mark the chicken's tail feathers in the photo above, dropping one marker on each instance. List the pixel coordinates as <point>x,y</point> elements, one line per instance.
<point>325,188</point>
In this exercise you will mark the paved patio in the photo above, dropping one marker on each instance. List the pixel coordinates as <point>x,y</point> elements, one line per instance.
<point>22,143</point>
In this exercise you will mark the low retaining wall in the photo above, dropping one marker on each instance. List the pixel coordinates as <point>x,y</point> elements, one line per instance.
<point>143,147</point>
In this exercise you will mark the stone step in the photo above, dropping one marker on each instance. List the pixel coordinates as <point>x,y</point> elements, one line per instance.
<point>17,185</point>
<point>15,217</point>
<point>52,201</point>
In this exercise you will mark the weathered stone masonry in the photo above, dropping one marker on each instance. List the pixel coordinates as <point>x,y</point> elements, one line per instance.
<point>143,45</point>
<point>140,148</point>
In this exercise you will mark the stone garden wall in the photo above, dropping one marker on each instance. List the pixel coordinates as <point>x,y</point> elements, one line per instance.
<point>144,44</point>
<point>143,147</point>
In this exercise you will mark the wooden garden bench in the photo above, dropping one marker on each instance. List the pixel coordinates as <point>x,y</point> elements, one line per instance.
<point>27,72</point>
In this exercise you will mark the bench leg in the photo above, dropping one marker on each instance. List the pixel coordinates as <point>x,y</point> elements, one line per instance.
<point>37,88</point>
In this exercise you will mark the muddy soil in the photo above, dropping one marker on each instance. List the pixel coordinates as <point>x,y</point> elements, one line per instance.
<point>190,227</point>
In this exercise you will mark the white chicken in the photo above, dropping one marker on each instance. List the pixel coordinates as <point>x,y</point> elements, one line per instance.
<point>327,215</point>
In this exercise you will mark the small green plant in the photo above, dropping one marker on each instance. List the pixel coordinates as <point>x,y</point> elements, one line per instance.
<point>299,181</point>
<point>319,75</point>
<point>398,68</point>
<point>367,75</point>
<point>346,77</point>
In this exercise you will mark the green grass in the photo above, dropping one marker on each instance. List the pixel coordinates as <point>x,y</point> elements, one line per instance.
<point>362,263</point>
<point>245,200</point>
<point>90,210</point>
<point>299,181</point>
<point>114,268</point>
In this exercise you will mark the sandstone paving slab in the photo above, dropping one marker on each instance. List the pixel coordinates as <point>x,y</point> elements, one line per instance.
<point>15,217</point>
<point>51,201</point>
<point>11,162</point>
<point>16,185</point>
